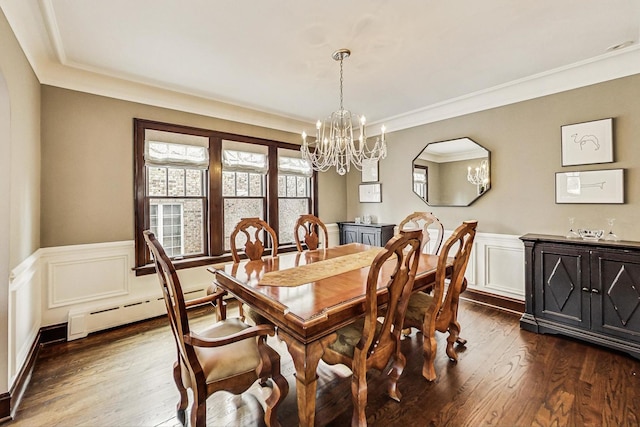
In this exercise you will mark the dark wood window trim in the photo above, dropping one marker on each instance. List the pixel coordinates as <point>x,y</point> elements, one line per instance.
<point>214,227</point>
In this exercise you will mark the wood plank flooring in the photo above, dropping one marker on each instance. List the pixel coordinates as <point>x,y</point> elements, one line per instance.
<point>504,377</point>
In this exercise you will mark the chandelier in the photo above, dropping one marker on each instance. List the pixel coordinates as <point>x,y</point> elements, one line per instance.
<point>479,176</point>
<point>335,145</point>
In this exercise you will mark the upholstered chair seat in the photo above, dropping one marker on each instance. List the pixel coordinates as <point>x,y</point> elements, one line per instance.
<point>419,304</point>
<point>223,362</point>
<point>349,336</point>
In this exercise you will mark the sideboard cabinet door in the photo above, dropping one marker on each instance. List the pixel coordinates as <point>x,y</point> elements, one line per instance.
<point>616,284</point>
<point>349,234</point>
<point>562,285</point>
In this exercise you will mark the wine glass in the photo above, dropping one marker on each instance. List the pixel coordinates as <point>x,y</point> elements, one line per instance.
<point>572,234</point>
<point>611,236</point>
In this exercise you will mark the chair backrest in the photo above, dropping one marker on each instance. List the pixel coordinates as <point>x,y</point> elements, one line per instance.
<point>424,220</point>
<point>311,225</point>
<point>381,342</point>
<point>458,246</point>
<point>252,229</point>
<point>174,301</point>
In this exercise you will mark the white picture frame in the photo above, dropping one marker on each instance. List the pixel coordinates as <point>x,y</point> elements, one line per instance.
<point>601,186</point>
<point>369,170</point>
<point>370,193</point>
<point>587,143</point>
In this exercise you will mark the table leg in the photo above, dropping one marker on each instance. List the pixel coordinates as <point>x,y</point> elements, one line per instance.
<point>305,359</point>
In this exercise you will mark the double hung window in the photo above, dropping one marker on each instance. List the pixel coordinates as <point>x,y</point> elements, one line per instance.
<point>244,176</point>
<point>294,192</point>
<point>420,181</point>
<point>192,186</point>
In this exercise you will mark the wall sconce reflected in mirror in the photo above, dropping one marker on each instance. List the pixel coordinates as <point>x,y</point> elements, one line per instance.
<point>479,176</point>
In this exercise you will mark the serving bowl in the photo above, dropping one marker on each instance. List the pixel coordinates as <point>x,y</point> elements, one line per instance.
<point>587,234</point>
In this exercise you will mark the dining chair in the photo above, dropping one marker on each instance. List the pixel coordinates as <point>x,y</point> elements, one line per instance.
<point>228,355</point>
<point>423,221</point>
<point>311,225</point>
<point>369,343</point>
<point>248,236</point>
<point>438,311</point>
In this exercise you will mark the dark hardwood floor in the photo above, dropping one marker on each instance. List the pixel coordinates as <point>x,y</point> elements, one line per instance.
<point>504,377</point>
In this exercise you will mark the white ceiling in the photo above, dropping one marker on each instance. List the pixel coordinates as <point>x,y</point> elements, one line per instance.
<point>413,61</point>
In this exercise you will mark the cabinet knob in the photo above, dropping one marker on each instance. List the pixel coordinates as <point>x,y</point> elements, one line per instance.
<point>595,291</point>
<point>586,290</point>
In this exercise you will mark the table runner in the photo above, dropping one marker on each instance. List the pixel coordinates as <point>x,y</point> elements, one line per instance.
<point>307,273</point>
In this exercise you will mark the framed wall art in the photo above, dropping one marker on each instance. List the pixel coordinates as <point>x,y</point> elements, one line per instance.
<point>601,186</point>
<point>587,143</point>
<point>369,170</point>
<point>370,193</point>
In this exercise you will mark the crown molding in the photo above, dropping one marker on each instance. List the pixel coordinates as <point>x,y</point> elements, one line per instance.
<point>48,60</point>
<point>606,67</point>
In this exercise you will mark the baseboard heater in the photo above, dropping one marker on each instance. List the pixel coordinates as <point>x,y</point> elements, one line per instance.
<point>84,321</point>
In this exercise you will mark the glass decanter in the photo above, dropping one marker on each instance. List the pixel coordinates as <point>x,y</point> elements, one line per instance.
<point>572,234</point>
<point>611,236</point>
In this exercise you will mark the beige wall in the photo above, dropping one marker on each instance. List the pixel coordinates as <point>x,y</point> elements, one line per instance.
<point>20,178</point>
<point>524,140</point>
<point>87,170</point>
<point>24,100</point>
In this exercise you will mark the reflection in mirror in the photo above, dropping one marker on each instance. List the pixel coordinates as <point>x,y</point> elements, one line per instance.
<point>452,173</point>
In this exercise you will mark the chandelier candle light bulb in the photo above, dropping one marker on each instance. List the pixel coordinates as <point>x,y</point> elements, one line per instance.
<point>334,145</point>
<point>480,177</point>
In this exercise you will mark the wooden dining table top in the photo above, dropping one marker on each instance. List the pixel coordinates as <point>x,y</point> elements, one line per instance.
<point>311,310</point>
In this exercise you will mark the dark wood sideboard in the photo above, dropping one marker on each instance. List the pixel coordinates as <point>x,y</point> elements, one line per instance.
<point>589,290</point>
<point>369,234</point>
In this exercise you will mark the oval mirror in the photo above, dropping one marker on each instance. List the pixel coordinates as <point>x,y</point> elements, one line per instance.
<point>452,173</point>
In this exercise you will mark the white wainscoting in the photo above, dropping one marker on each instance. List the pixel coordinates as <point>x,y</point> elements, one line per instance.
<point>334,234</point>
<point>496,264</point>
<point>24,312</point>
<point>93,287</point>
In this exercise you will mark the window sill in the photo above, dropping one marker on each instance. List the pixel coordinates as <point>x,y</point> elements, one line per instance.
<point>200,261</point>
<point>183,263</point>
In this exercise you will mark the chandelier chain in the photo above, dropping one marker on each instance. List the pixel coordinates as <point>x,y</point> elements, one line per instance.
<point>341,82</point>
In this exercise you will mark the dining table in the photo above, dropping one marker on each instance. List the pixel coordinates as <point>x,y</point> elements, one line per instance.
<point>308,296</point>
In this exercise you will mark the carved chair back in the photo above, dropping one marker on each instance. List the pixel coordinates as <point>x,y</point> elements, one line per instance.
<point>250,232</point>
<point>310,225</point>
<point>425,220</point>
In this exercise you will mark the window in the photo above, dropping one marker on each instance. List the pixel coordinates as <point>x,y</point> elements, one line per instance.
<point>243,185</point>
<point>174,194</point>
<point>193,185</point>
<point>420,181</point>
<point>167,224</point>
<point>294,192</point>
